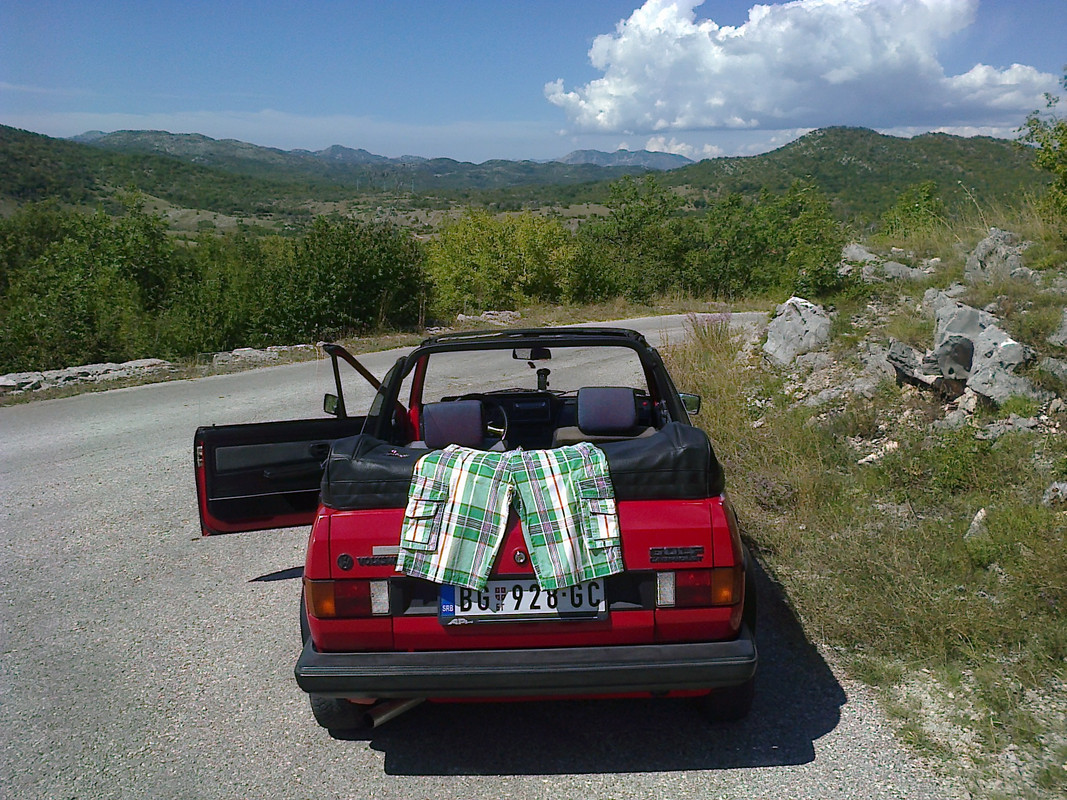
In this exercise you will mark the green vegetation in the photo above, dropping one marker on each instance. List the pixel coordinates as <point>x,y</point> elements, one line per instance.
<point>35,168</point>
<point>859,170</point>
<point>863,171</point>
<point>1048,133</point>
<point>480,262</point>
<point>80,288</point>
<point>918,211</point>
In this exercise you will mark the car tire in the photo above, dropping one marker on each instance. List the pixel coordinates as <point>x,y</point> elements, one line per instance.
<point>733,703</point>
<point>336,714</point>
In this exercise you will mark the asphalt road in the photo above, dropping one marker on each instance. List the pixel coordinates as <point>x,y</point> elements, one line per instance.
<point>140,660</point>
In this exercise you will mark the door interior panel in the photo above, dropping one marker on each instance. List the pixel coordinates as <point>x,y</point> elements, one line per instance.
<point>264,475</point>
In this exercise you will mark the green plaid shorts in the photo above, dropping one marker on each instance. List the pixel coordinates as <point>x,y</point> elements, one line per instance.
<point>459,502</point>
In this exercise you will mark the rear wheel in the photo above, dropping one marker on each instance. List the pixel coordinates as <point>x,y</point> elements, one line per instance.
<point>332,713</point>
<point>336,714</point>
<point>733,703</point>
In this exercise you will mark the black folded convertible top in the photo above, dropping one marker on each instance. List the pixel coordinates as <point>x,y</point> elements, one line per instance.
<point>675,463</point>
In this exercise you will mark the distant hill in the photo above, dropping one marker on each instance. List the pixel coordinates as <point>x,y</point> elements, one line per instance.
<point>626,158</point>
<point>863,172</point>
<point>35,167</point>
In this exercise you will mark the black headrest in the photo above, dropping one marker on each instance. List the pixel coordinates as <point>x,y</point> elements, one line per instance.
<point>459,422</point>
<point>606,410</point>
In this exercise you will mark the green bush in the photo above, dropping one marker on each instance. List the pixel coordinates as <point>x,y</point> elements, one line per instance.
<point>80,300</point>
<point>918,211</point>
<point>89,287</point>
<point>482,262</point>
<point>1047,132</point>
<point>773,245</point>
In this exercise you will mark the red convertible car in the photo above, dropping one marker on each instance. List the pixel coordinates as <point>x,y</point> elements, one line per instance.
<point>520,514</point>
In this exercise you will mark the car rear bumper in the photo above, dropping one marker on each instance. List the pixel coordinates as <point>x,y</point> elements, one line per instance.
<point>528,672</point>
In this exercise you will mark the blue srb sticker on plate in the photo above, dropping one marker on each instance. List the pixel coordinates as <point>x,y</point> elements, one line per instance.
<point>448,601</point>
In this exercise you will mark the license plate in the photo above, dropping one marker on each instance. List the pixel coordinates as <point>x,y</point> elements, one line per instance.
<point>520,600</point>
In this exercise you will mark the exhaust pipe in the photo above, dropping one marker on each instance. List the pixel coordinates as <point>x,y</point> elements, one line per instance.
<point>383,712</point>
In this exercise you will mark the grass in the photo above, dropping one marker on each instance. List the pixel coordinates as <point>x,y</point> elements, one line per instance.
<point>877,559</point>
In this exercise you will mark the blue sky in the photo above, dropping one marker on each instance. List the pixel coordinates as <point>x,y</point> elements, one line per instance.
<point>488,79</point>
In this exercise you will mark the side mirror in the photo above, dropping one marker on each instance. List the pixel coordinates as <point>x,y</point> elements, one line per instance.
<point>329,404</point>
<point>691,402</point>
<point>531,354</point>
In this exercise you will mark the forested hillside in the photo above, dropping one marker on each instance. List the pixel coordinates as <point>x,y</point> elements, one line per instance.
<point>861,171</point>
<point>864,171</point>
<point>357,171</point>
<point>35,167</point>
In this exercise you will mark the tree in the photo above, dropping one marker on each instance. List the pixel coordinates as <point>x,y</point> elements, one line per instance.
<point>729,245</point>
<point>75,303</point>
<point>918,210</point>
<point>816,239</point>
<point>482,262</point>
<point>639,241</point>
<point>1047,133</point>
<point>349,276</point>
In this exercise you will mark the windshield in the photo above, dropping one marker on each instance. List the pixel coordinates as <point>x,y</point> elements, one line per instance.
<point>570,368</point>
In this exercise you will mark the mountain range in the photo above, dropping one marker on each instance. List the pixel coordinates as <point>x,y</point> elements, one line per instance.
<point>860,170</point>
<point>202,149</point>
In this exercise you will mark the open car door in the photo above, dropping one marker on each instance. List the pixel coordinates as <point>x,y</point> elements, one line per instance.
<point>267,475</point>
<point>263,475</point>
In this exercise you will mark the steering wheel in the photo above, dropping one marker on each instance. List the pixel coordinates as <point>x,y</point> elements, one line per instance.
<point>496,417</point>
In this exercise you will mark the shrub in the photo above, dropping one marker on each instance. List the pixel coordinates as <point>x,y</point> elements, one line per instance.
<point>481,262</point>
<point>77,302</point>
<point>918,210</point>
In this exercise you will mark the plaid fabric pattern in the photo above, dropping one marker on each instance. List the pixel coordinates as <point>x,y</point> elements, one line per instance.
<point>567,508</point>
<point>459,502</point>
<point>455,517</point>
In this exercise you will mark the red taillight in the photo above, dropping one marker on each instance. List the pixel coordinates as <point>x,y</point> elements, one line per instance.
<point>346,599</point>
<point>695,588</point>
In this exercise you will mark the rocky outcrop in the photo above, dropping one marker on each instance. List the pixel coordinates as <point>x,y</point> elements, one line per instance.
<point>798,326</point>
<point>894,269</point>
<point>970,351</point>
<point>972,361</point>
<point>997,257</point>
<point>1059,338</point>
<point>873,267</point>
<point>145,369</point>
<point>993,368</point>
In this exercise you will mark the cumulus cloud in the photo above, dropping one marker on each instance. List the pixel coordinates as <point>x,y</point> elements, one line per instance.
<point>660,144</point>
<point>807,63</point>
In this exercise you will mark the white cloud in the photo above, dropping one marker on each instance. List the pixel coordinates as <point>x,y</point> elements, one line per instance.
<point>22,88</point>
<point>660,144</point>
<point>807,63</point>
